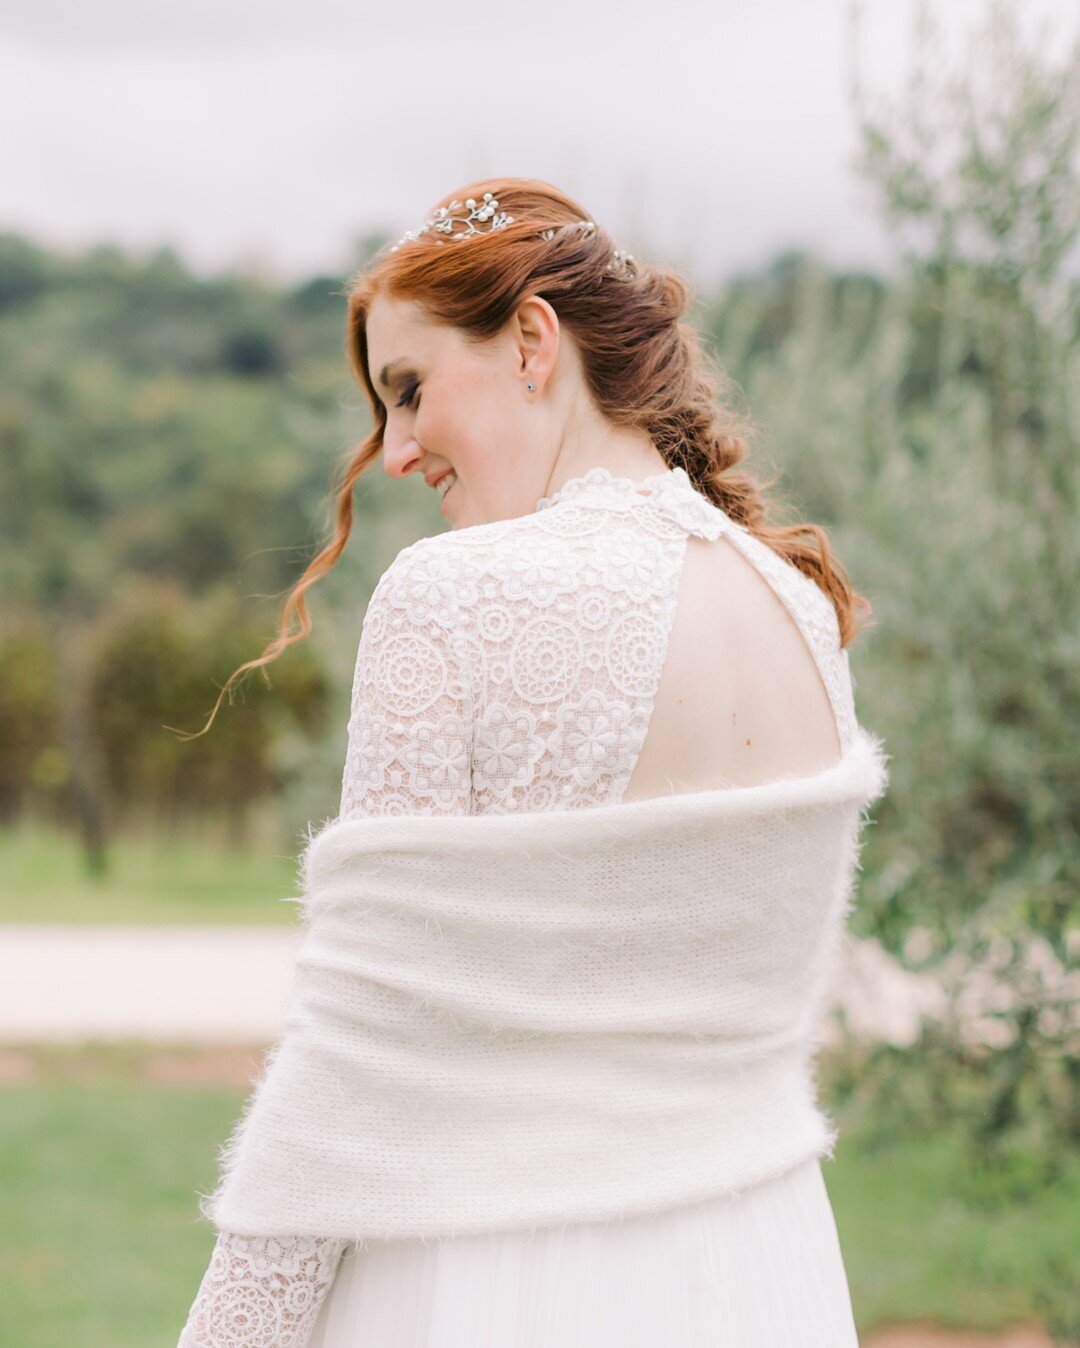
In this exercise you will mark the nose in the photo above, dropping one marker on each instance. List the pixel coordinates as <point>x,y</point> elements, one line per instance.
<point>401,458</point>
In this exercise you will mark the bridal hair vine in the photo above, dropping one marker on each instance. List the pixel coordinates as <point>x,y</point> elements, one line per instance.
<point>486,212</point>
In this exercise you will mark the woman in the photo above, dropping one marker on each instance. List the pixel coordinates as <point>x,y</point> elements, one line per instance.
<point>609,619</point>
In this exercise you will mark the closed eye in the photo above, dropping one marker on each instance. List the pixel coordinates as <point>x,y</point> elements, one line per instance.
<point>406,398</point>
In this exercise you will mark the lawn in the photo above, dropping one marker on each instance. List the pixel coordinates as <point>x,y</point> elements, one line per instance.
<point>150,879</point>
<point>103,1150</point>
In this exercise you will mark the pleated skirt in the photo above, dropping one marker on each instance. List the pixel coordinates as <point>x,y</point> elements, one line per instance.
<point>761,1270</point>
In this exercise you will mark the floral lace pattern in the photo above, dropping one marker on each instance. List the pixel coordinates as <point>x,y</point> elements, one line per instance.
<point>512,666</point>
<point>503,667</point>
<point>676,497</point>
<point>261,1292</point>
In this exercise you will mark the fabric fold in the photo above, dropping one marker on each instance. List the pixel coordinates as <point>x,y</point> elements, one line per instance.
<point>497,1022</point>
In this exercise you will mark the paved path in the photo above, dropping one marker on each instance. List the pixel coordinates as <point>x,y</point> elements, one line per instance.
<point>918,1336</point>
<point>202,985</point>
<point>230,984</point>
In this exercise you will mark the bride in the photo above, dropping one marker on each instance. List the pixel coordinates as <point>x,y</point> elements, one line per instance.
<point>608,621</point>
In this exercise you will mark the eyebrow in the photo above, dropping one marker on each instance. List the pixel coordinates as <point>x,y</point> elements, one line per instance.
<point>385,376</point>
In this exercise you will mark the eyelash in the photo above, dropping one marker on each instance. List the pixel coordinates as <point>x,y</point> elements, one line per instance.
<point>406,398</point>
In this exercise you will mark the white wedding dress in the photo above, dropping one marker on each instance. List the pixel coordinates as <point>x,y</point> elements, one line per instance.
<point>568,611</point>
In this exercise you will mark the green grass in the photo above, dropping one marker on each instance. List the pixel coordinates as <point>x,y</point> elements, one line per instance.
<point>920,1242</point>
<point>101,1243</point>
<point>187,878</point>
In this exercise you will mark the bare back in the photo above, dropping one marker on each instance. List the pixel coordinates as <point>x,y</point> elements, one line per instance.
<point>740,699</point>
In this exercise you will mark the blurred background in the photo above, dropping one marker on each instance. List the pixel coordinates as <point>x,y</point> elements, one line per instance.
<point>878,206</point>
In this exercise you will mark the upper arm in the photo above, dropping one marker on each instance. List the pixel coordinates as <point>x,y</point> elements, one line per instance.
<point>410,729</point>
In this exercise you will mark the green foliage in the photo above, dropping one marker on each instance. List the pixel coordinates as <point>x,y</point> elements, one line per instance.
<point>156,655</point>
<point>157,432</point>
<point>24,271</point>
<point>29,721</point>
<point>978,176</point>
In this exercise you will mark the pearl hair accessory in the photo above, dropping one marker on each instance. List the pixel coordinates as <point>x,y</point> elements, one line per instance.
<point>487,210</point>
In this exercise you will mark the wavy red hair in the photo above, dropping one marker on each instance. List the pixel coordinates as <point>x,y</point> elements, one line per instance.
<point>643,364</point>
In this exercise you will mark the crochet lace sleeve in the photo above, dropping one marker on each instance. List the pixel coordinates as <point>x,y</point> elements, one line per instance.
<point>409,748</point>
<point>261,1290</point>
<point>410,724</point>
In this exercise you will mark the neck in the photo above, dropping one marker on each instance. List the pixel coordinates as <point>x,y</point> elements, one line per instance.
<point>623,451</point>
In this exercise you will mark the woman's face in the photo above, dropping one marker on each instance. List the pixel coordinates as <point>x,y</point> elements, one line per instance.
<point>467,408</point>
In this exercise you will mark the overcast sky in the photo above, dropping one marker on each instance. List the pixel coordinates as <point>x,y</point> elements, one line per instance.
<point>712,134</point>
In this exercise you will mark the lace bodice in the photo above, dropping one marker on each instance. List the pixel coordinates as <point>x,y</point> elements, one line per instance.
<point>509,666</point>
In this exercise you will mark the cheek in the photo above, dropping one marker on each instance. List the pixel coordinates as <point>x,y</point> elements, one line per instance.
<point>469,417</point>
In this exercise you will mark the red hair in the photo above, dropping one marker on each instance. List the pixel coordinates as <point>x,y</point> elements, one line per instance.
<point>643,365</point>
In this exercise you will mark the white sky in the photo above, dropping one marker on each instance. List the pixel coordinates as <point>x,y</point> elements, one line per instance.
<point>712,134</point>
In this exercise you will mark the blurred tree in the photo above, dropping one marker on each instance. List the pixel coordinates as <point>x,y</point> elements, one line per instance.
<point>154,657</point>
<point>978,178</point>
<point>32,763</point>
<point>127,453</point>
<point>24,271</point>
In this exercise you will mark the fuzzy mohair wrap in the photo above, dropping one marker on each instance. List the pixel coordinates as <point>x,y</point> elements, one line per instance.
<point>506,1021</point>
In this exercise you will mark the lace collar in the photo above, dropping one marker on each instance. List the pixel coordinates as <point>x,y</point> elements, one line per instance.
<point>671,491</point>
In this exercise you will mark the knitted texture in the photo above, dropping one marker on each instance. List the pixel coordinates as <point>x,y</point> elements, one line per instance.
<point>505,1021</point>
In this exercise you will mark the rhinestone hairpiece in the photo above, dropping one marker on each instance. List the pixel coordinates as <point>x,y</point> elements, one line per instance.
<point>486,212</point>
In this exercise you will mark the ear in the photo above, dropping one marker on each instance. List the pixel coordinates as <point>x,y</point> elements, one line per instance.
<point>536,335</point>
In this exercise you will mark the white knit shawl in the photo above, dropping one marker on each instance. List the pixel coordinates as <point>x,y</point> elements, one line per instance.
<point>512,1020</point>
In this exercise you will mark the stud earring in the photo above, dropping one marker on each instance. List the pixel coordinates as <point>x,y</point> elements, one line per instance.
<point>531,386</point>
